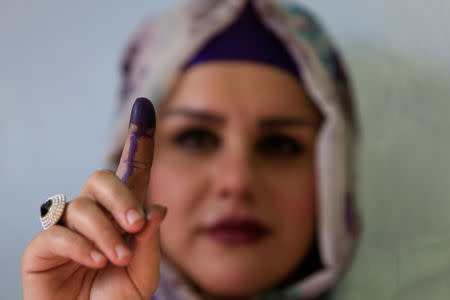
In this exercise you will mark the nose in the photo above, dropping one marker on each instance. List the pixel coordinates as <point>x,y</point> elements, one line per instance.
<point>233,175</point>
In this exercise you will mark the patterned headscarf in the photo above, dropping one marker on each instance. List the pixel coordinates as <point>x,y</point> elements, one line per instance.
<point>172,41</point>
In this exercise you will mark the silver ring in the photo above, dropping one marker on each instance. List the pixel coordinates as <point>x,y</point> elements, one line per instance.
<point>52,210</point>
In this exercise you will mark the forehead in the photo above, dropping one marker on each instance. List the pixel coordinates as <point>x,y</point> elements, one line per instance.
<point>241,89</point>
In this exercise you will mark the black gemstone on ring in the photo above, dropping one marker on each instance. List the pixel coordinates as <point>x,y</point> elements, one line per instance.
<point>46,207</point>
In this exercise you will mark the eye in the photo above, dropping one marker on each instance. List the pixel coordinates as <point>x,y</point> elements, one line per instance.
<point>196,139</point>
<point>279,145</point>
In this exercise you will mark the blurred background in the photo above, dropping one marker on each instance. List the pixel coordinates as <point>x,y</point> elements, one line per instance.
<point>59,63</point>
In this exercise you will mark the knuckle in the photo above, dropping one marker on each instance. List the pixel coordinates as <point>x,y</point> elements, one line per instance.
<point>32,246</point>
<point>104,186</point>
<point>55,237</point>
<point>27,257</point>
<point>63,238</point>
<point>115,190</point>
<point>32,251</point>
<point>76,207</point>
<point>99,176</point>
<point>78,212</point>
<point>90,221</point>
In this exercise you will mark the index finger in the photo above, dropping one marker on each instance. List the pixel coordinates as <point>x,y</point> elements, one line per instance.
<point>137,155</point>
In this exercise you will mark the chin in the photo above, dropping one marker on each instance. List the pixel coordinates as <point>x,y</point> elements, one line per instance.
<point>228,280</point>
<point>229,287</point>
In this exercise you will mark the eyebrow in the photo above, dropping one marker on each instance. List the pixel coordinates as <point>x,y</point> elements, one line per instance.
<point>287,122</point>
<point>197,114</point>
<point>264,123</point>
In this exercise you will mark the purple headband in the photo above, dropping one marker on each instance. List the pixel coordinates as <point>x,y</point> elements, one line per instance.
<point>248,39</point>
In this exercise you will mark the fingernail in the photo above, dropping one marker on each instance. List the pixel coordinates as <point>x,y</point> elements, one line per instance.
<point>133,216</point>
<point>122,251</point>
<point>143,114</point>
<point>156,210</point>
<point>97,256</point>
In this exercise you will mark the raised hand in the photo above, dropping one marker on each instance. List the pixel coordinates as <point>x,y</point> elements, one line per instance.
<point>107,246</point>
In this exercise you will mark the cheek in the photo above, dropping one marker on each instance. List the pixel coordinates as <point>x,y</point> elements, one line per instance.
<point>298,217</point>
<point>178,188</point>
<point>299,198</point>
<point>295,206</point>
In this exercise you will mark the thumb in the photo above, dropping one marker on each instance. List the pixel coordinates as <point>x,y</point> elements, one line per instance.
<point>144,266</point>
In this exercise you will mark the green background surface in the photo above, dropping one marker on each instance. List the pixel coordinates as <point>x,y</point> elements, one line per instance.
<point>399,55</point>
<point>404,180</point>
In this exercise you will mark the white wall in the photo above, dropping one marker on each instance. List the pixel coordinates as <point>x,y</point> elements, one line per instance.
<point>58,82</point>
<point>58,85</point>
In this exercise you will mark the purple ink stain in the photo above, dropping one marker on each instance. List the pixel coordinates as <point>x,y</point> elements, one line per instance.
<point>143,117</point>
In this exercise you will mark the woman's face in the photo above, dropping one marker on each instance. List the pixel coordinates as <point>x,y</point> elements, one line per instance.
<point>234,163</point>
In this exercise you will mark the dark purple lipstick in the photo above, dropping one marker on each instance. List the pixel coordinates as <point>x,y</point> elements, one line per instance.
<point>237,231</point>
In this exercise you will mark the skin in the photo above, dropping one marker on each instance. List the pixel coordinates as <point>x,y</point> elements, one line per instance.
<point>225,148</point>
<point>252,155</point>
<point>107,246</point>
<point>143,120</point>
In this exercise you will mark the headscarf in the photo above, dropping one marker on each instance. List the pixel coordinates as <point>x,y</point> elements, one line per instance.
<point>246,39</point>
<point>173,40</point>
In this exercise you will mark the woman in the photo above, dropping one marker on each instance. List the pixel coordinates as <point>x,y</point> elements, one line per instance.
<point>253,159</point>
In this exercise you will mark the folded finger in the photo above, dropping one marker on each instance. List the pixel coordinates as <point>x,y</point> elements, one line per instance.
<point>88,219</point>
<point>58,245</point>
<point>105,188</point>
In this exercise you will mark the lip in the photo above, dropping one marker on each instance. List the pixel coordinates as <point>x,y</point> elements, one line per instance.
<point>234,231</point>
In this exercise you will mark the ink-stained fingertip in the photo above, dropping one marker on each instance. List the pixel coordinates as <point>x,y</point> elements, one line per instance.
<point>143,114</point>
